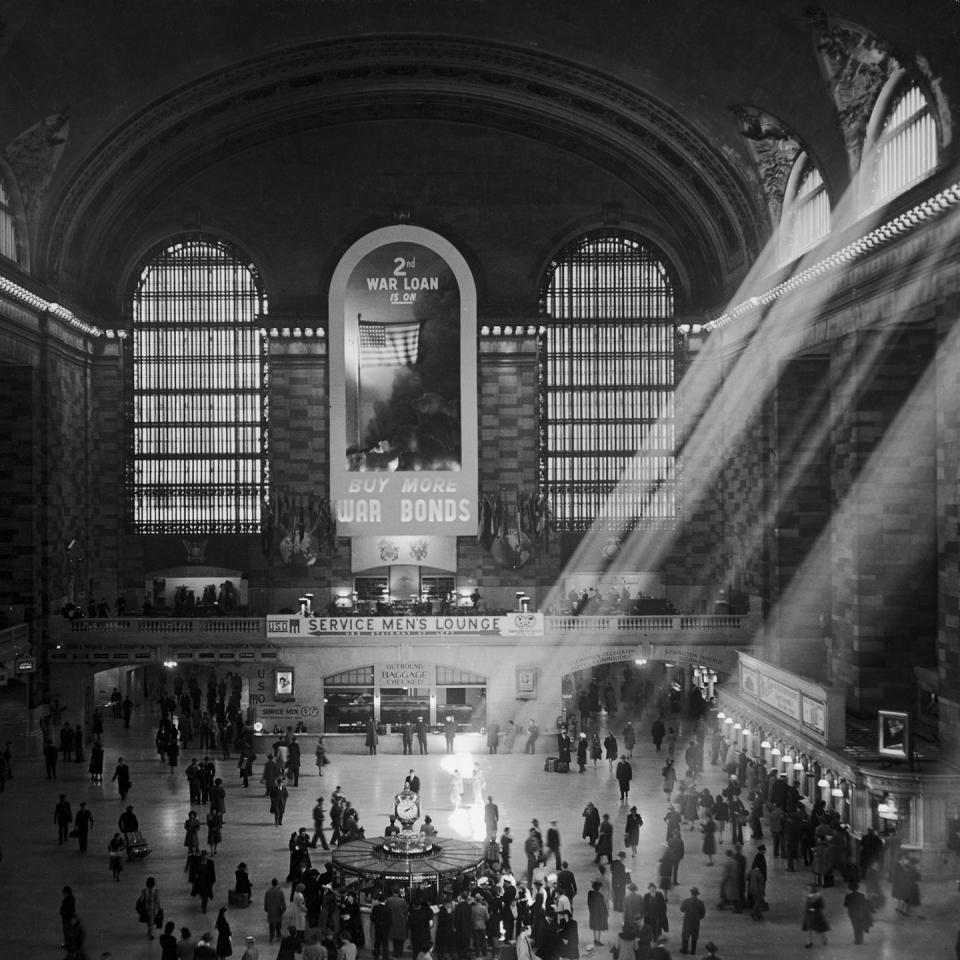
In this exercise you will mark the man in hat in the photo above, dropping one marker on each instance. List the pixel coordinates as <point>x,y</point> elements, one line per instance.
<point>693,912</point>
<point>421,730</point>
<point>553,843</point>
<point>618,880</point>
<point>251,953</point>
<point>711,949</point>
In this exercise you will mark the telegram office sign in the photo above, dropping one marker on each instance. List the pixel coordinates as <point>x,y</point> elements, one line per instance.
<point>403,387</point>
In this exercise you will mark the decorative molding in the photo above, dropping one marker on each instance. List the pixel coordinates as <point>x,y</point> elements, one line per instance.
<point>774,149</point>
<point>856,64</point>
<point>33,157</point>
<point>322,82</point>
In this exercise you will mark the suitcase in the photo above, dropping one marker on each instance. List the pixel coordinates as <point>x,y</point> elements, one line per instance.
<point>563,767</point>
<point>235,899</point>
<point>550,766</point>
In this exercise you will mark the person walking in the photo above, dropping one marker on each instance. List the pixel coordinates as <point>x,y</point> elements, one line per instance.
<point>399,914</point>
<point>814,919</point>
<point>68,910</point>
<point>598,911</point>
<point>533,732</point>
<point>693,911</point>
<point>604,846</point>
<point>274,905</point>
<point>115,850</point>
<point>222,926</point>
<point>50,755</point>
<point>610,749</point>
<point>82,824</point>
<point>632,830</point>
<point>449,733</point>
<point>371,738</point>
<point>709,830</point>
<point>169,948</point>
<point>319,816</point>
<point>150,905</point>
<point>658,731</point>
<point>121,775</point>
<point>629,739</point>
<point>62,817</point>
<point>669,775</point>
<point>203,878</point>
<point>553,844</point>
<point>95,766</point>
<point>624,774</point>
<point>859,911</point>
<point>420,727</point>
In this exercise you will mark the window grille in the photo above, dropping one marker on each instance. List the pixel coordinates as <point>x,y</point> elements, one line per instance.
<point>359,677</point>
<point>198,459</point>
<point>451,676</point>
<point>607,384</point>
<point>806,209</point>
<point>906,146</point>
<point>8,233</point>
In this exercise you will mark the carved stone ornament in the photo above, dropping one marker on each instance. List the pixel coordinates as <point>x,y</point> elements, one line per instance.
<point>774,149</point>
<point>33,156</point>
<point>856,65</point>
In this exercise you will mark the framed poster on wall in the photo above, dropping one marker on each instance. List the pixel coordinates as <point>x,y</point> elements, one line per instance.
<point>894,734</point>
<point>283,687</point>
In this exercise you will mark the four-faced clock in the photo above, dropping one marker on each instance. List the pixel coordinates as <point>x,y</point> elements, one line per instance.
<point>406,805</point>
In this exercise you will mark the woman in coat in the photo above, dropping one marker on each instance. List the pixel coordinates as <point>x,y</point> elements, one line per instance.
<point>214,830</point>
<point>814,920</point>
<point>191,832</point>
<point>730,884</point>
<point>222,926</point>
<point>669,775</point>
<point>631,833</point>
<point>95,767</point>
<point>721,813</point>
<point>709,839</point>
<point>298,910</point>
<point>150,897</point>
<point>598,910</point>
<point>582,746</point>
<point>596,749</point>
<point>591,824</point>
<point>610,746</point>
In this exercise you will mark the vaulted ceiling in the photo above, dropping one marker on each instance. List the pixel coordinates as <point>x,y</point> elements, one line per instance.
<point>291,126</point>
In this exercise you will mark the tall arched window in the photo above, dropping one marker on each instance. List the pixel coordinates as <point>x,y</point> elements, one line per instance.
<point>901,145</point>
<point>197,458</point>
<point>8,230</point>
<point>607,383</point>
<point>806,209</point>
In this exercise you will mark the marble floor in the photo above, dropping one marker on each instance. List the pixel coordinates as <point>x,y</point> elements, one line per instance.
<point>34,868</point>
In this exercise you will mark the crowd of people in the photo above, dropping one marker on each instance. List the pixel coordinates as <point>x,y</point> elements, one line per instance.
<point>719,803</point>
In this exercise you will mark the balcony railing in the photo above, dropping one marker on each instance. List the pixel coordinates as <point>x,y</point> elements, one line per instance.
<point>253,629</point>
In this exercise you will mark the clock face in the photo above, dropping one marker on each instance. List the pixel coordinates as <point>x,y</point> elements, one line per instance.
<point>407,807</point>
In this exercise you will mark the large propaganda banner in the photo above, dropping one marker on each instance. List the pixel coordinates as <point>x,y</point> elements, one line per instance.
<point>403,387</point>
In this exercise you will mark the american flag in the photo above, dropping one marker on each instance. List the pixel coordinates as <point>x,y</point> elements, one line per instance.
<point>389,344</point>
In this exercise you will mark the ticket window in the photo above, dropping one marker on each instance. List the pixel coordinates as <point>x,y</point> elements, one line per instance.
<point>400,704</point>
<point>346,709</point>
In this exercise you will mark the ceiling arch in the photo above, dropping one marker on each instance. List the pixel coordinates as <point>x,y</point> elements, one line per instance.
<point>706,195</point>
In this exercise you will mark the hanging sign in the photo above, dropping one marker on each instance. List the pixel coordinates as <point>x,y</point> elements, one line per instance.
<point>403,387</point>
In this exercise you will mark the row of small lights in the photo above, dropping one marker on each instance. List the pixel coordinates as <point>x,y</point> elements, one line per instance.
<point>24,296</point>
<point>297,332</point>
<point>882,235</point>
<point>788,758</point>
<point>511,331</point>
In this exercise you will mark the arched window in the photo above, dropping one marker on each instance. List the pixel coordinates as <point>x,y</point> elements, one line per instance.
<point>197,463</point>
<point>8,230</point>
<point>607,383</point>
<point>806,209</point>
<point>901,145</point>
